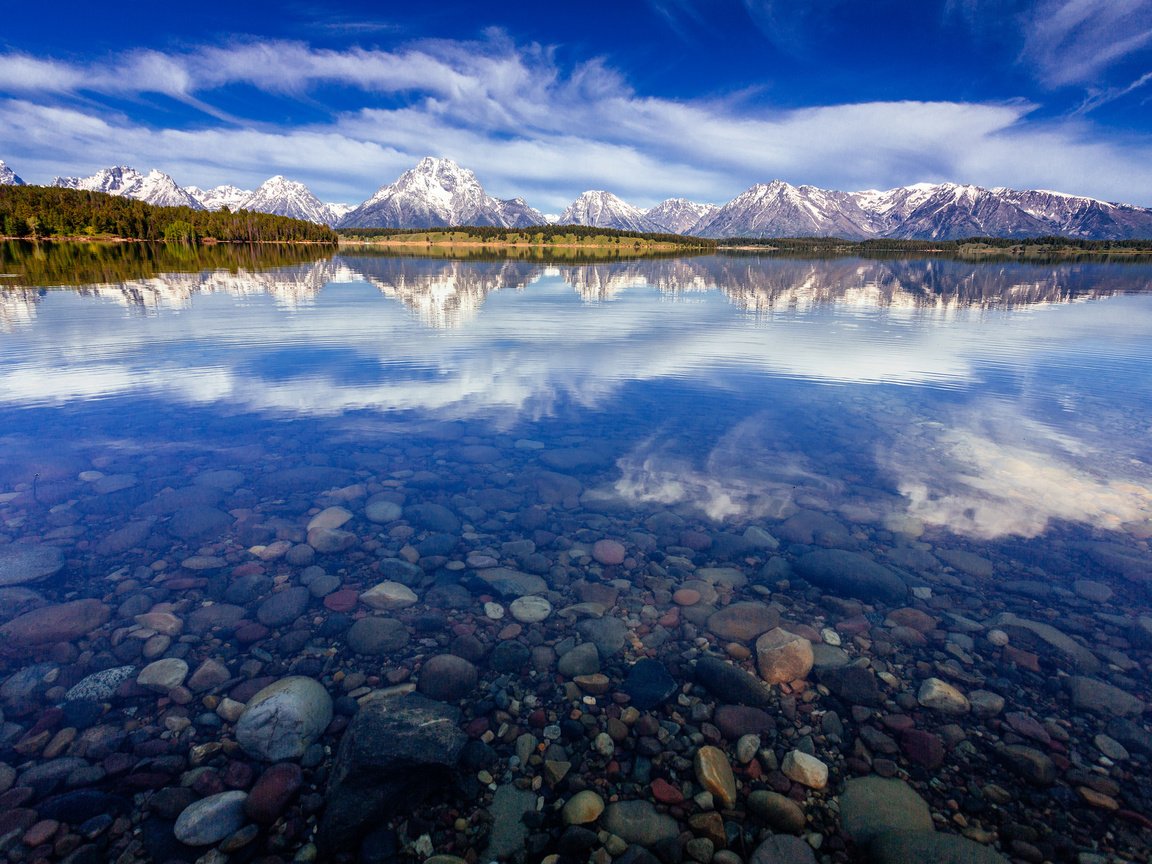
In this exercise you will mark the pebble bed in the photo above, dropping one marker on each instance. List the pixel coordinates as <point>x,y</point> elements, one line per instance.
<point>188,649</point>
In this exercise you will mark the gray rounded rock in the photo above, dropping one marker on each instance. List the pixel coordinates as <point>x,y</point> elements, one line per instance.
<point>447,677</point>
<point>639,822</point>
<point>284,607</point>
<point>871,806</point>
<point>211,819</point>
<point>283,719</point>
<point>375,636</point>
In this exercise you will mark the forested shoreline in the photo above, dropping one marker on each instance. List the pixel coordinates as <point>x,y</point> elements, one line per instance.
<point>53,213</point>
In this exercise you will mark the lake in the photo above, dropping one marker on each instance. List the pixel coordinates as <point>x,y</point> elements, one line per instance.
<point>685,550</point>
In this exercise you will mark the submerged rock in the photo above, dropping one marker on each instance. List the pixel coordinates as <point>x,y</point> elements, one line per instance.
<point>396,751</point>
<point>851,574</point>
<point>21,564</point>
<point>872,806</point>
<point>62,622</point>
<point>284,718</point>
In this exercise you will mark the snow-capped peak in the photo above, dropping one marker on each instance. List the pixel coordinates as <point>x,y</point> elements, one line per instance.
<point>8,177</point>
<point>283,197</point>
<point>602,209</point>
<point>219,197</point>
<point>438,193</point>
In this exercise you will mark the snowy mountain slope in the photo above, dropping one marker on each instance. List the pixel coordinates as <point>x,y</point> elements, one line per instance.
<point>679,215</point>
<point>8,177</point>
<point>155,187</point>
<point>779,209</point>
<point>219,197</point>
<point>438,193</point>
<point>282,197</point>
<point>601,209</point>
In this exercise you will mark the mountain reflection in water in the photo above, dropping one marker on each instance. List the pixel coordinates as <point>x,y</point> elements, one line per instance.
<point>574,501</point>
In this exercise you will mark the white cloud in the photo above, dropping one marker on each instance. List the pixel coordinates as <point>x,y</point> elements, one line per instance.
<point>1074,41</point>
<point>527,127</point>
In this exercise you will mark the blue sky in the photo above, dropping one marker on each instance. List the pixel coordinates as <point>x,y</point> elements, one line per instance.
<point>648,99</point>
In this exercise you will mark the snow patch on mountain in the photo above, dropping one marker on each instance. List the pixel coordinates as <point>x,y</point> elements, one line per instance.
<point>219,197</point>
<point>155,187</point>
<point>600,209</point>
<point>438,193</point>
<point>283,197</point>
<point>679,215</point>
<point>8,177</point>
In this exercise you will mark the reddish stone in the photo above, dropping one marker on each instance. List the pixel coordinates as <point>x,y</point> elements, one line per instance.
<point>62,622</point>
<point>753,771</point>
<point>147,780</point>
<point>1021,658</point>
<point>671,618</point>
<point>47,719</point>
<point>247,632</point>
<point>854,626</point>
<point>609,552</point>
<point>476,727</point>
<point>252,568</point>
<point>665,792</point>
<point>273,792</point>
<point>923,748</point>
<point>734,721</point>
<point>897,722</point>
<point>208,783</point>
<point>344,600</point>
<point>1135,818</point>
<point>41,832</point>
<point>1027,726</point>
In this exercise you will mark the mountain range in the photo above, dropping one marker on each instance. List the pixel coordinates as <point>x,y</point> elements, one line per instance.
<point>440,193</point>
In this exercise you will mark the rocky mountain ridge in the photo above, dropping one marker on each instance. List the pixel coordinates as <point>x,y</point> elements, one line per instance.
<point>440,193</point>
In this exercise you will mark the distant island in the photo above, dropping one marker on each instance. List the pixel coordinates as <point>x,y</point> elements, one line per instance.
<point>54,213</point>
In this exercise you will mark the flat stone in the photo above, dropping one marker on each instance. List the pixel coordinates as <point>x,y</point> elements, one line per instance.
<point>805,769</point>
<point>744,621</point>
<point>851,574</point>
<point>639,822</point>
<point>198,522</point>
<point>1066,645</point>
<point>23,563</point>
<point>530,609</point>
<point>1101,697</point>
<point>943,697</point>
<point>509,833</point>
<point>283,719</point>
<point>874,806</point>
<point>433,517</point>
<point>100,686</point>
<point>211,819</point>
<point>609,635</point>
<point>163,675</point>
<point>714,773</point>
<point>374,636</point>
<point>328,541</point>
<point>782,656</point>
<point>512,583</point>
<point>331,517</point>
<point>387,596</point>
<point>61,622</point>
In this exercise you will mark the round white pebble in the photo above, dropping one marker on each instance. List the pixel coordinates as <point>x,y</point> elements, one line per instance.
<point>530,610</point>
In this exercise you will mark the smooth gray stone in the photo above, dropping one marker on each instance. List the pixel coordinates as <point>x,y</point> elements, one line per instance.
<point>21,564</point>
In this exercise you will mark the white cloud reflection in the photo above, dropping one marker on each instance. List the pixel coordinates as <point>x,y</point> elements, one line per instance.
<point>510,342</point>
